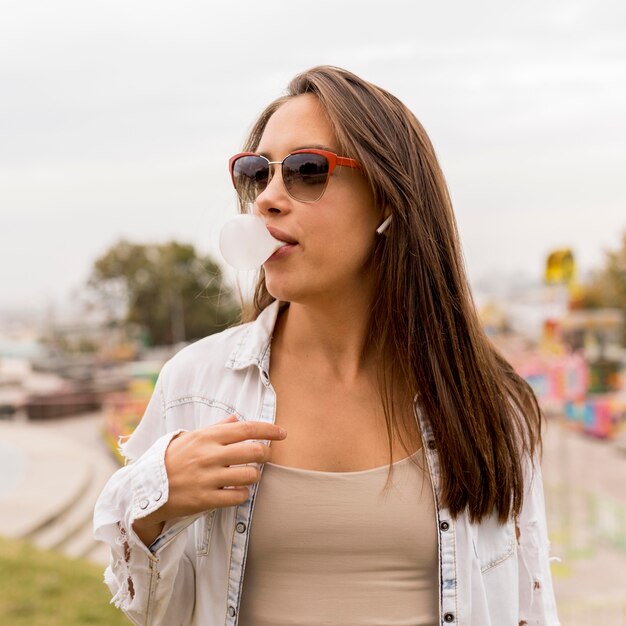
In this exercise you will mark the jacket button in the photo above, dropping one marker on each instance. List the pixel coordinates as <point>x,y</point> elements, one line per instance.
<point>431,444</point>
<point>448,617</point>
<point>158,495</point>
<point>143,504</point>
<point>231,611</point>
<point>444,526</point>
<point>241,527</point>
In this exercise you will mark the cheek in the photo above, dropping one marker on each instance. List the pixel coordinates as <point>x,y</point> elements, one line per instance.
<point>341,232</point>
<point>342,248</point>
<point>353,229</point>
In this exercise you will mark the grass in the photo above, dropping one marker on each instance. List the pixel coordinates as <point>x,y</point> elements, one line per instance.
<point>46,589</point>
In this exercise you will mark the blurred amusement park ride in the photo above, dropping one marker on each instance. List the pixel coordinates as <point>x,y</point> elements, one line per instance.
<point>577,367</point>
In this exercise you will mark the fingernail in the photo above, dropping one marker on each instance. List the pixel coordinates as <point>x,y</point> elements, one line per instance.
<point>282,431</point>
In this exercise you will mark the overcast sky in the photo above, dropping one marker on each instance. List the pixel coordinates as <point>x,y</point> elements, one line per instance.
<point>117,120</point>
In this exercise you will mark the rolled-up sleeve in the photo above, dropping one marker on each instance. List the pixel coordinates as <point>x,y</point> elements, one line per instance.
<point>536,595</point>
<point>142,580</point>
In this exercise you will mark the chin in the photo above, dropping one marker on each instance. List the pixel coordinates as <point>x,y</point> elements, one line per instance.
<point>287,290</point>
<point>280,292</point>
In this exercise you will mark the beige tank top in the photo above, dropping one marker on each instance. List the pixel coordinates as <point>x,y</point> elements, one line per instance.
<point>334,549</point>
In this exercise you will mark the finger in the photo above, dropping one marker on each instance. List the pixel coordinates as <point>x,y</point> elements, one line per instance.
<point>244,452</point>
<point>230,497</point>
<point>242,431</point>
<point>241,475</point>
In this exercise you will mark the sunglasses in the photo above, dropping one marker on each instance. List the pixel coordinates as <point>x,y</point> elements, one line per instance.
<point>305,173</point>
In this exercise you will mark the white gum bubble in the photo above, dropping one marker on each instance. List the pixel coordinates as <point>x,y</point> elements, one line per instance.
<point>245,242</point>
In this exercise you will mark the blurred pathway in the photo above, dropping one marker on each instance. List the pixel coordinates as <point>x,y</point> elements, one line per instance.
<point>52,473</point>
<point>585,481</point>
<point>12,465</point>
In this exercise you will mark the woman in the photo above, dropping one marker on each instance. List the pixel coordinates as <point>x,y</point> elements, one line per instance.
<point>365,347</point>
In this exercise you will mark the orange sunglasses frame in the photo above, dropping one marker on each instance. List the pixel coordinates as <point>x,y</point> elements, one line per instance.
<point>333,161</point>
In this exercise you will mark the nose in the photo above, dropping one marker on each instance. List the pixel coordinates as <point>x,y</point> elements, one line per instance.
<point>274,198</point>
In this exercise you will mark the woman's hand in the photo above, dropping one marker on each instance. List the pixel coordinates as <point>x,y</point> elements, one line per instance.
<point>206,469</point>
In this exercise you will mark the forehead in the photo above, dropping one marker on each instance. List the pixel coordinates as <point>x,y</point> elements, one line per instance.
<point>298,123</point>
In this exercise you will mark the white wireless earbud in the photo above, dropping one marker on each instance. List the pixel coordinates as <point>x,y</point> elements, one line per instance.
<point>383,226</point>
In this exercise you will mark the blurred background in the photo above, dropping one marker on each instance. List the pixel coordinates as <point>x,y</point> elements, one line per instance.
<point>116,123</point>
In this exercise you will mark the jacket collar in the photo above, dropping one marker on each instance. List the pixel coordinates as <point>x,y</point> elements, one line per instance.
<point>253,348</point>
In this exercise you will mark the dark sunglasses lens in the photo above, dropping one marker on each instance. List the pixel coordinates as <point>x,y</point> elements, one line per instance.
<point>305,175</point>
<point>251,175</point>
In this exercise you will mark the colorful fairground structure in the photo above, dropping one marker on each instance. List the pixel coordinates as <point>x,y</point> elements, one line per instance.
<point>577,368</point>
<point>123,410</point>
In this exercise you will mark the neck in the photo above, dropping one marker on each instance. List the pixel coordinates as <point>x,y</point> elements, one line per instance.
<point>330,337</point>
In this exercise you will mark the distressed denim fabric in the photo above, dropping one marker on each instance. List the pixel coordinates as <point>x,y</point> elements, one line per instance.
<point>192,575</point>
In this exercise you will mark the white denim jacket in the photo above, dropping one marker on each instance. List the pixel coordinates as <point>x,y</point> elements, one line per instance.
<point>192,575</point>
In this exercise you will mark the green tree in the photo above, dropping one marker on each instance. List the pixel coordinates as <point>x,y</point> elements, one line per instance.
<point>166,289</point>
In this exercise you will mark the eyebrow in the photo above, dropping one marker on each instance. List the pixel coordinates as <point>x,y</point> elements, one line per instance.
<point>315,146</point>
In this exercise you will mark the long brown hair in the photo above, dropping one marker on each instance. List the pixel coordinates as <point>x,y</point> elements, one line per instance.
<point>423,321</point>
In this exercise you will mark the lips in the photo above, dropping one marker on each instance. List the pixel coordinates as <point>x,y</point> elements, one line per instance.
<point>281,235</point>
